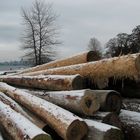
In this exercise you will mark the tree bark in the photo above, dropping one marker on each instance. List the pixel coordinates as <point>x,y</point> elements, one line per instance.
<point>101,131</point>
<point>82,102</point>
<point>131,104</point>
<point>66,124</point>
<point>20,109</point>
<point>77,59</point>
<point>131,124</point>
<point>49,82</point>
<point>100,72</point>
<point>18,126</point>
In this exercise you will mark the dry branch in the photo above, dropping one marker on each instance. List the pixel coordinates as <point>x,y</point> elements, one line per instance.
<point>131,124</point>
<point>100,72</point>
<point>66,124</point>
<point>77,59</point>
<point>49,82</point>
<point>101,131</point>
<point>18,126</point>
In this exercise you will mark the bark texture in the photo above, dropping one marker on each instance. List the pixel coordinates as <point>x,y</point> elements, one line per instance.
<point>66,124</point>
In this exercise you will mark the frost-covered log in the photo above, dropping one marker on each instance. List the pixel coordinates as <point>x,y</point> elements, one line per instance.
<point>77,59</point>
<point>131,104</point>
<point>20,109</point>
<point>18,126</point>
<point>66,124</point>
<point>83,101</point>
<point>101,131</point>
<point>49,82</point>
<point>79,101</point>
<point>131,124</point>
<point>99,72</point>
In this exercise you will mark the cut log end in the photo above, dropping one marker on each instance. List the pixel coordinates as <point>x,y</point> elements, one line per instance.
<point>78,83</point>
<point>113,102</point>
<point>92,56</point>
<point>113,134</point>
<point>90,104</point>
<point>77,130</point>
<point>137,63</point>
<point>42,137</point>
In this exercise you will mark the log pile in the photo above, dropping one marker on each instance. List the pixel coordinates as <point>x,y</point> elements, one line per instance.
<point>73,99</point>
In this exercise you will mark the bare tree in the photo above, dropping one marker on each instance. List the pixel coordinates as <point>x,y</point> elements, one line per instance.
<point>40,32</point>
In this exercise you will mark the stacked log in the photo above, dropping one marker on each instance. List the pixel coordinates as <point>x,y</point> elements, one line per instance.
<point>48,82</point>
<point>100,72</point>
<point>13,123</point>
<point>77,59</point>
<point>66,124</point>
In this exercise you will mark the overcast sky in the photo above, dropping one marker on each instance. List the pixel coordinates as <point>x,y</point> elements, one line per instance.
<point>79,21</point>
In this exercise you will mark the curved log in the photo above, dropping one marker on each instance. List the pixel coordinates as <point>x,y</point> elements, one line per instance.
<point>66,124</point>
<point>77,59</point>
<point>18,126</point>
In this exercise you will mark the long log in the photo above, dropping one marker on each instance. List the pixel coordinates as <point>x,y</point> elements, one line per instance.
<point>77,59</point>
<point>131,124</point>
<point>101,131</point>
<point>83,101</point>
<point>20,109</point>
<point>49,82</point>
<point>99,72</point>
<point>131,104</point>
<point>18,126</point>
<point>66,124</point>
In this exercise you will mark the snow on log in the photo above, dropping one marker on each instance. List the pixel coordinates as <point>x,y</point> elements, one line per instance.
<point>79,101</point>
<point>66,124</point>
<point>99,72</point>
<point>83,101</point>
<point>20,109</point>
<point>18,126</point>
<point>49,82</point>
<point>101,131</point>
<point>77,59</point>
<point>131,124</point>
<point>131,104</point>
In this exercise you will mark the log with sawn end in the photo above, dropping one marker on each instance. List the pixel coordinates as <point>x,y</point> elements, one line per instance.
<point>100,72</point>
<point>18,126</point>
<point>77,59</point>
<point>101,131</point>
<point>131,124</point>
<point>83,101</point>
<point>66,124</point>
<point>48,82</point>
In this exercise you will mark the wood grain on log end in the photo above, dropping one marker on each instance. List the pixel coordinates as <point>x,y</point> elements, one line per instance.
<point>90,103</point>
<point>77,130</point>
<point>42,137</point>
<point>113,102</point>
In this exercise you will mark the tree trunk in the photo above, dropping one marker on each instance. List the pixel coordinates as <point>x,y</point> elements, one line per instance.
<point>77,59</point>
<point>131,104</point>
<point>18,126</point>
<point>66,124</point>
<point>18,108</point>
<point>131,124</point>
<point>101,131</point>
<point>49,82</point>
<point>83,101</point>
<point>100,72</point>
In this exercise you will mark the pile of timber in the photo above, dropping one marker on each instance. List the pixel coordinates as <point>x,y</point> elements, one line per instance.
<point>76,98</point>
